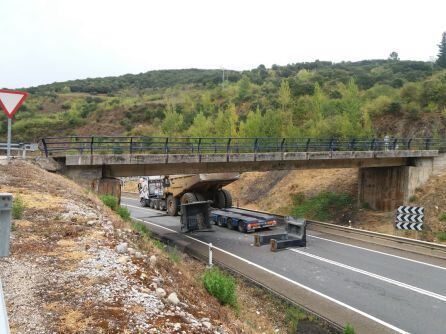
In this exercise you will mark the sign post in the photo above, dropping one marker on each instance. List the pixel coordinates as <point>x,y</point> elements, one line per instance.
<point>10,102</point>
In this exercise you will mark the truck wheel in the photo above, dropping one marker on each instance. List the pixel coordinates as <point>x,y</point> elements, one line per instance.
<point>142,201</point>
<point>228,198</point>
<point>229,223</point>
<point>157,204</point>
<point>188,198</point>
<point>199,197</point>
<point>219,199</point>
<point>172,206</point>
<point>241,227</point>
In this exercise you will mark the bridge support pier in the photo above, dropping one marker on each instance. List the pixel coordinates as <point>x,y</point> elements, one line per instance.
<point>385,188</point>
<point>94,177</point>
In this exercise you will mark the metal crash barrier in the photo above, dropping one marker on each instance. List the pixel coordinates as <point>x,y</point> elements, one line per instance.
<point>295,235</point>
<point>195,216</point>
<point>5,223</point>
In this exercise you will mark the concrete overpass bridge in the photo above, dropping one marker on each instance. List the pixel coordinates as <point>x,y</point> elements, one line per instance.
<point>389,169</point>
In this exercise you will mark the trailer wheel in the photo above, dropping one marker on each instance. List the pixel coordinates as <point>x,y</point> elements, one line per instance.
<point>228,198</point>
<point>188,198</point>
<point>142,201</point>
<point>241,228</point>
<point>157,205</point>
<point>172,206</point>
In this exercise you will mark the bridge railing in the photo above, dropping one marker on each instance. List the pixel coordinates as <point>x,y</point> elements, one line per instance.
<point>88,145</point>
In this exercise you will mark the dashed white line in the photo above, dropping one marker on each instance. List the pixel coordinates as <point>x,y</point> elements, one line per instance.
<point>376,276</point>
<point>378,252</point>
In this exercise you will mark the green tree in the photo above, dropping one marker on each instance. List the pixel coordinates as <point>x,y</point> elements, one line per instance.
<point>441,60</point>
<point>244,88</point>
<point>394,56</point>
<point>201,126</point>
<point>172,122</point>
<point>252,127</point>
<point>284,94</point>
<point>226,122</point>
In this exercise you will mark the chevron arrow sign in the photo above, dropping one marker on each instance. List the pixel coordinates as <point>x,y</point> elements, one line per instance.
<point>412,210</point>
<point>402,217</point>
<point>409,226</point>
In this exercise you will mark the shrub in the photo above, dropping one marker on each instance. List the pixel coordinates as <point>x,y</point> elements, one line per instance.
<point>348,329</point>
<point>221,286</point>
<point>441,236</point>
<point>292,317</point>
<point>412,198</point>
<point>324,206</point>
<point>141,229</point>
<point>123,212</point>
<point>17,208</point>
<point>110,201</point>
<point>442,217</point>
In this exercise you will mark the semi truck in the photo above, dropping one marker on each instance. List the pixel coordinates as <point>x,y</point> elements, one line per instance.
<point>170,191</point>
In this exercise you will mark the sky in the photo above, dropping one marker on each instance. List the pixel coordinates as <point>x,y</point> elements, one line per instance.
<point>43,41</point>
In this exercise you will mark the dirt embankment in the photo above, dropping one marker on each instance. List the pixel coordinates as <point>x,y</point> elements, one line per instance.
<point>76,267</point>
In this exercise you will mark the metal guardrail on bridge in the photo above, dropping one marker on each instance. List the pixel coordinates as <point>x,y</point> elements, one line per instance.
<point>57,146</point>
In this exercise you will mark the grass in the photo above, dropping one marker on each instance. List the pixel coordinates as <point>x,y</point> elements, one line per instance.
<point>441,236</point>
<point>124,213</point>
<point>412,198</point>
<point>17,208</point>
<point>141,229</point>
<point>158,244</point>
<point>174,255</point>
<point>292,317</point>
<point>110,201</point>
<point>442,217</point>
<point>324,206</point>
<point>221,286</point>
<point>348,329</point>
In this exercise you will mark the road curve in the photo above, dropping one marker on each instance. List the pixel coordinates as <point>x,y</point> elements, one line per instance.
<point>375,288</point>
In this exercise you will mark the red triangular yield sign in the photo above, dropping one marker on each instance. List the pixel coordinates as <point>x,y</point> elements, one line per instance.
<point>10,101</point>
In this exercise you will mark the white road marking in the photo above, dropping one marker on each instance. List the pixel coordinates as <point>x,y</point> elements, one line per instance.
<point>337,242</point>
<point>378,252</point>
<point>351,308</point>
<point>379,277</point>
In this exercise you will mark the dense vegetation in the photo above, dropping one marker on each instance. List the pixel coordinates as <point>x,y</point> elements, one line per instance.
<point>317,99</point>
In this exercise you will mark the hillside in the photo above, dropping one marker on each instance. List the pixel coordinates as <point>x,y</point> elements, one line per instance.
<point>317,99</point>
<point>77,267</point>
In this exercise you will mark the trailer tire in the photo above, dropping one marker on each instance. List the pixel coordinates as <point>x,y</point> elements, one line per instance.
<point>172,206</point>
<point>228,198</point>
<point>143,203</point>
<point>219,199</point>
<point>157,204</point>
<point>240,227</point>
<point>188,198</point>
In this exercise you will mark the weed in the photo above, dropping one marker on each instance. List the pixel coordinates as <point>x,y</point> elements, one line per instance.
<point>174,255</point>
<point>412,198</point>
<point>324,206</point>
<point>17,208</point>
<point>221,286</point>
<point>123,212</point>
<point>158,244</point>
<point>348,329</point>
<point>110,201</point>
<point>442,217</point>
<point>141,229</point>
<point>441,236</point>
<point>292,317</point>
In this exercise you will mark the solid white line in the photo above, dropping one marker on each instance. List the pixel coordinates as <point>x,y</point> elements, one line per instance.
<point>351,308</point>
<point>378,252</point>
<point>379,277</point>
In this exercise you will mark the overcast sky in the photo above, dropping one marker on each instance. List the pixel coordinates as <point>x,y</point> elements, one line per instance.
<point>43,41</point>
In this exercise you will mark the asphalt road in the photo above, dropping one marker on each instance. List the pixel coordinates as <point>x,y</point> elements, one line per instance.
<point>397,291</point>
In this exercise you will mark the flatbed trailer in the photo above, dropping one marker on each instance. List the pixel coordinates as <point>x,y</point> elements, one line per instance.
<point>243,220</point>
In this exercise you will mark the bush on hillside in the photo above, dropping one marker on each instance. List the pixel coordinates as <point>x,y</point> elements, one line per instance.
<point>110,201</point>
<point>221,286</point>
<point>324,206</point>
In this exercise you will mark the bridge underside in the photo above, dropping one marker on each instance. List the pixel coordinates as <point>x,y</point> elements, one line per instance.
<point>386,179</point>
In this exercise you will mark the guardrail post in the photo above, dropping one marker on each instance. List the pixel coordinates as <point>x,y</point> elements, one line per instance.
<point>199,149</point>
<point>23,146</point>
<point>256,141</point>
<point>45,148</point>
<point>210,264</point>
<point>372,144</point>
<point>5,223</point>
<point>131,146</point>
<point>352,144</point>
<point>282,144</point>
<point>228,148</point>
<point>307,145</point>
<point>330,147</point>
<point>394,144</point>
<point>166,149</point>
<point>427,143</point>
<point>91,145</point>
<point>408,143</point>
